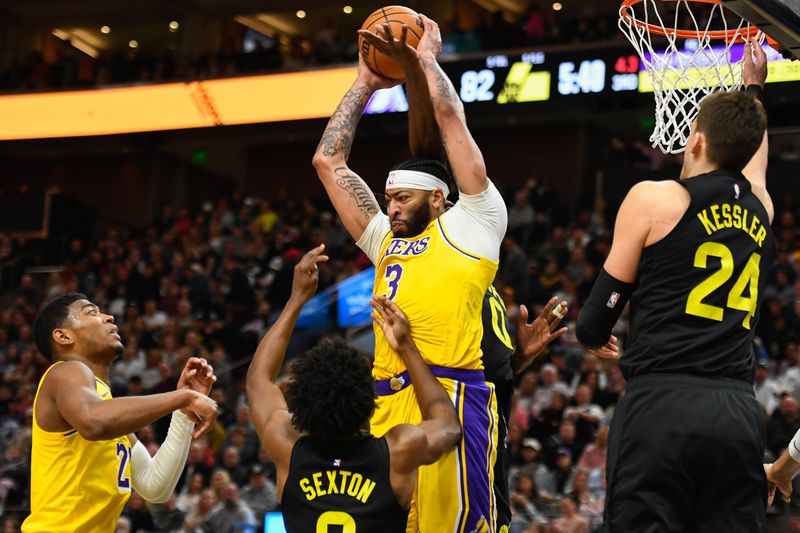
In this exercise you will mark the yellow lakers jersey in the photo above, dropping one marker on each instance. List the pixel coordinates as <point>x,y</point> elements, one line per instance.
<point>77,485</point>
<point>440,288</point>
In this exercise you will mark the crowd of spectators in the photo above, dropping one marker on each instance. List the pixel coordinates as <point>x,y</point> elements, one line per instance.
<point>256,52</point>
<point>209,283</point>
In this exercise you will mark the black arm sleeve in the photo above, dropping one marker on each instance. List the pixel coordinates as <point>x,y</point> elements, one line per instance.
<point>602,310</point>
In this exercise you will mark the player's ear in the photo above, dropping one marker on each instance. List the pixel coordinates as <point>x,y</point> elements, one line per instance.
<point>696,143</point>
<point>437,199</point>
<point>63,337</point>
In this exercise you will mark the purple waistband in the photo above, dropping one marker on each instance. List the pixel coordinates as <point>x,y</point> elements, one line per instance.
<point>386,387</point>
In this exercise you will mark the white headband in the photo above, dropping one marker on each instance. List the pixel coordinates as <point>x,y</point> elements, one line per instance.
<point>413,179</point>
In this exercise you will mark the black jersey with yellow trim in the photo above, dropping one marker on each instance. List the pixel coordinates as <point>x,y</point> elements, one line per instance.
<point>341,486</point>
<point>699,290</point>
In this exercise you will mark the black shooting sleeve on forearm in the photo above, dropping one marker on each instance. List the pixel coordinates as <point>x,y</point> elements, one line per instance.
<point>602,309</point>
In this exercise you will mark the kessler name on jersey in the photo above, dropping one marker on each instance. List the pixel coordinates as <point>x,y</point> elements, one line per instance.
<point>404,247</point>
<point>721,216</point>
<point>337,482</point>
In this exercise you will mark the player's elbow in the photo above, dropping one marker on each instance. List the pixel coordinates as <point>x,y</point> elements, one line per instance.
<point>94,430</point>
<point>251,387</point>
<point>447,109</point>
<point>451,430</point>
<point>454,433</point>
<point>319,162</point>
<point>445,439</point>
<point>323,163</point>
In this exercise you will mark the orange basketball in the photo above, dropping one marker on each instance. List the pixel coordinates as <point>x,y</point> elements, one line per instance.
<point>392,17</point>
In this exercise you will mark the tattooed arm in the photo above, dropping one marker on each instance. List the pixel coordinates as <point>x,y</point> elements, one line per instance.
<point>465,158</point>
<point>423,132</point>
<point>353,200</point>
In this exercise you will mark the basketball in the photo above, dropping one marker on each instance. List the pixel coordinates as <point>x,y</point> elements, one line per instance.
<point>393,17</point>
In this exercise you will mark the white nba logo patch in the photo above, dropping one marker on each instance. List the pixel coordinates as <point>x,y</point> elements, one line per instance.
<point>736,190</point>
<point>337,462</point>
<point>612,300</point>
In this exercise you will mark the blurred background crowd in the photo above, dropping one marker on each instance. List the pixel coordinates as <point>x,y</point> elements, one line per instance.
<point>209,283</point>
<point>334,42</point>
<point>189,238</point>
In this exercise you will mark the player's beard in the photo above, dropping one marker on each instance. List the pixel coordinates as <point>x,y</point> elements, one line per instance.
<point>416,222</point>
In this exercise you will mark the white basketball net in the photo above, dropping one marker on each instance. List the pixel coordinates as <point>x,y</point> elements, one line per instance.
<point>683,75</point>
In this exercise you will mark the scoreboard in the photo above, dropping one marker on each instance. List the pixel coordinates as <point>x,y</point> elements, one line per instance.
<point>560,78</point>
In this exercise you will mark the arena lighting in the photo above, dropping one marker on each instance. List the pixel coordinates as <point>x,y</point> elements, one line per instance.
<point>493,83</point>
<point>557,6</point>
<point>174,106</point>
<point>133,43</point>
<point>347,9</point>
<point>173,26</point>
<point>105,29</point>
<point>301,14</point>
<point>77,43</point>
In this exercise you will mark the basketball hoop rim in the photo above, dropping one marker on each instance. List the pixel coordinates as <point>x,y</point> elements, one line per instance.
<point>729,36</point>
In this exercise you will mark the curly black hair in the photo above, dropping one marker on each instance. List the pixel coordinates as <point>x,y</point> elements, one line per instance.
<point>332,394</point>
<point>52,316</point>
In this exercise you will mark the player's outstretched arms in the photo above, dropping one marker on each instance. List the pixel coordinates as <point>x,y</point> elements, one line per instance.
<point>466,160</point>
<point>533,338</point>
<point>615,283</point>
<point>754,76</point>
<point>353,200</point>
<point>414,445</point>
<point>263,395</point>
<point>440,425</point>
<point>423,132</point>
<point>155,477</point>
<point>70,388</point>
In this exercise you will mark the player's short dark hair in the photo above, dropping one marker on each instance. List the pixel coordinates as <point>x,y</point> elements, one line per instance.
<point>733,124</point>
<point>332,393</point>
<point>50,317</point>
<point>429,165</point>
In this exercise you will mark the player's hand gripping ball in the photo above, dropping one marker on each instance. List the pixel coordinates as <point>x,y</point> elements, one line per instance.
<point>392,18</point>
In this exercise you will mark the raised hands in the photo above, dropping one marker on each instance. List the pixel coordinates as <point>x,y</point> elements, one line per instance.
<point>372,80</point>
<point>197,375</point>
<point>754,72</point>
<point>397,46</point>
<point>201,410</point>
<point>533,338</point>
<point>391,45</point>
<point>306,274</point>
<point>392,321</point>
<point>431,42</point>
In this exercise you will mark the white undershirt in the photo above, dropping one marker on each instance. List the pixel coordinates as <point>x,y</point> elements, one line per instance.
<point>477,224</point>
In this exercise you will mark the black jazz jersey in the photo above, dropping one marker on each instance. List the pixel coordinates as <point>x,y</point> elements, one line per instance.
<point>699,290</point>
<point>496,342</point>
<point>341,486</point>
<point>497,351</point>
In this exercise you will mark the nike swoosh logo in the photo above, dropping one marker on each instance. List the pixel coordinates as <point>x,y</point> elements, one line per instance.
<point>104,395</point>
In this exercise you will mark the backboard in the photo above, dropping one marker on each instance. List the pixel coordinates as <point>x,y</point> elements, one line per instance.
<point>780,19</point>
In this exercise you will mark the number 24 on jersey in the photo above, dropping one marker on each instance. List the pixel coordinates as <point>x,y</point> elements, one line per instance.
<point>748,279</point>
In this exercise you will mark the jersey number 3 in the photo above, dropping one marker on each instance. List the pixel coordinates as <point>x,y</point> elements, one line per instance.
<point>393,274</point>
<point>343,522</point>
<point>123,481</point>
<point>748,279</point>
